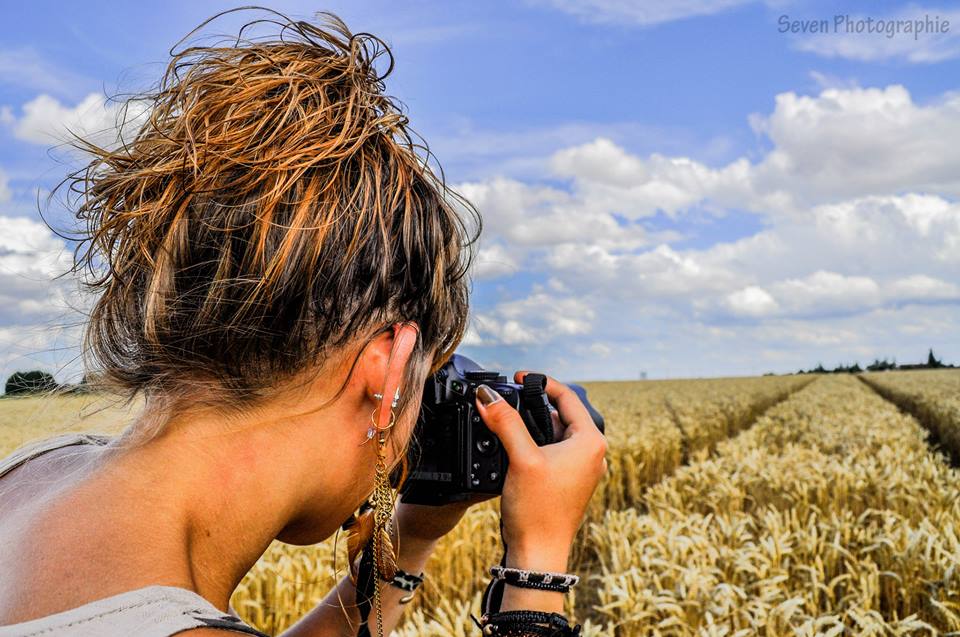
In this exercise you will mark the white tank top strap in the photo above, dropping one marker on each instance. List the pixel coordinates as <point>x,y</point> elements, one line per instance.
<point>151,611</point>
<point>33,449</point>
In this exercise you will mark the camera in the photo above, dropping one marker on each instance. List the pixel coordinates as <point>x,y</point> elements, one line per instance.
<point>453,454</point>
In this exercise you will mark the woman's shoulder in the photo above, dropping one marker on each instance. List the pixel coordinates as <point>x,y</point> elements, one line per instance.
<point>32,449</point>
<point>151,611</point>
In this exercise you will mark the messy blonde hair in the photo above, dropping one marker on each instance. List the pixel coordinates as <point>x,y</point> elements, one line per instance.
<point>271,209</point>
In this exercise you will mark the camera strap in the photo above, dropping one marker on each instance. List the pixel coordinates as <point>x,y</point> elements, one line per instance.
<point>493,593</point>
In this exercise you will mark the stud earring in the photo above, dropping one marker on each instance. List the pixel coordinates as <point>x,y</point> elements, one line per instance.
<point>396,397</point>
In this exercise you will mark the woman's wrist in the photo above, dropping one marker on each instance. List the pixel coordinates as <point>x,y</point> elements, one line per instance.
<point>414,553</point>
<point>539,557</point>
<point>552,558</point>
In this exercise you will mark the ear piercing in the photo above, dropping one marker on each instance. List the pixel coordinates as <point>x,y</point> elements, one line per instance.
<point>374,428</point>
<point>396,398</point>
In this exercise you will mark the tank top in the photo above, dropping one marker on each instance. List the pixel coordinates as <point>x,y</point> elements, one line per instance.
<point>151,611</point>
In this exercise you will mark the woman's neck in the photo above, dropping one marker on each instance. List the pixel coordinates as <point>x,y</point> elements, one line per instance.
<point>240,485</point>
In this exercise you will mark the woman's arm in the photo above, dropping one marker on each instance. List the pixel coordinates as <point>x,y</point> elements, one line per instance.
<point>329,619</point>
<point>420,528</point>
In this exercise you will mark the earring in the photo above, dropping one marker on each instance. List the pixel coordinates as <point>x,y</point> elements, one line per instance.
<point>396,397</point>
<point>373,428</point>
<point>382,501</point>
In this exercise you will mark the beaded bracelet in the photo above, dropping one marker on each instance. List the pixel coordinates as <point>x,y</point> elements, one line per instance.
<point>559,582</point>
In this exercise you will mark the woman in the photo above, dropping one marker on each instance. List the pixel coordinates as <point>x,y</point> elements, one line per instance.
<point>277,273</point>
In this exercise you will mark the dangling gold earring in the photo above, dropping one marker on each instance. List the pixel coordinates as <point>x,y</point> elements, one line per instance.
<point>383,501</point>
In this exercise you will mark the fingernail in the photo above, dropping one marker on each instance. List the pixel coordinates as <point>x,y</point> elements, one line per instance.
<point>487,396</point>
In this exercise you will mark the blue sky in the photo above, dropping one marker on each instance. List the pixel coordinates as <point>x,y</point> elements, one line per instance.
<point>676,188</point>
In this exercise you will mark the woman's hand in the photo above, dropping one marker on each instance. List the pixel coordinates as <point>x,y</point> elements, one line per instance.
<point>427,523</point>
<point>546,489</point>
<point>421,526</point>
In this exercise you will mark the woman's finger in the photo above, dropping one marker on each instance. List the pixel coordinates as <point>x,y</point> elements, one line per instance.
<point>558,427</point>
<point>506,423</point>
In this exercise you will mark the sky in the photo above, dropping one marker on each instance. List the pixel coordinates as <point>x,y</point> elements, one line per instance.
<point>669,188</point>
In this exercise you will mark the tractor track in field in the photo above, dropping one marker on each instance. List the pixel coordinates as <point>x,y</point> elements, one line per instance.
<point>690,452</point>
<point>907,407</point>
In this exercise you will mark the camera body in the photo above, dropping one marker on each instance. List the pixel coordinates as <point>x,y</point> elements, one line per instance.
<point>453,454</point>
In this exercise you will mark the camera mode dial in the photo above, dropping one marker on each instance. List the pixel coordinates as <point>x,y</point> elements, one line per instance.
<point>482,376</point>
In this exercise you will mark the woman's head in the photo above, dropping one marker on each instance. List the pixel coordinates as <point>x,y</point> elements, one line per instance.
<point>270,214</point>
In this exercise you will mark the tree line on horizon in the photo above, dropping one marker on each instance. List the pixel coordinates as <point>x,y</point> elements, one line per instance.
<point>878,365</point>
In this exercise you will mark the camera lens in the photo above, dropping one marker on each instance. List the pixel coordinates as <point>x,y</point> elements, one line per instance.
<point>486,445</point>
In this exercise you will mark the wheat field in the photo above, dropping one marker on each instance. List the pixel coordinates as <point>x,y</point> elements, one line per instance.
<point>794,505</point>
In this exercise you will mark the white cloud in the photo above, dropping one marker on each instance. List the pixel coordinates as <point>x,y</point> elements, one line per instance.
<point>855,142</point>
<point>39,317</point>
<point>45,120</point>
<point>840,144</point>
<point>827,81</point>
<point>610,179</point>
<point>600,349</point>
<point>824,292</point>
<point>923,287</point>
<point>528,216</point>
<point>30,256</point>
<point>537,319</point>
<point>900,249</point>
<point>648,12</point>
<point>752,301</point>
<point>870,38</point>
<point>823,258</point>
<point>494,261</point>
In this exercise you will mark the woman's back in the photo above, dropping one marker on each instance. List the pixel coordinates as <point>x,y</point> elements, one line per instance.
<point>30,487</point>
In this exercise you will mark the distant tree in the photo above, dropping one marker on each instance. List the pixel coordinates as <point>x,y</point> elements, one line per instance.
<point>881,365</point>
<point>31,382</point>
<point>932,360</point>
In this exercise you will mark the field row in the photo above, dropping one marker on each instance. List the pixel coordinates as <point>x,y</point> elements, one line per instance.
<point>829,516</point>
<point>932,396</point>
<point>654,427</point>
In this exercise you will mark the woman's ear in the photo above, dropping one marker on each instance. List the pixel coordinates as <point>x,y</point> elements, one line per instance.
<point>404,340</point>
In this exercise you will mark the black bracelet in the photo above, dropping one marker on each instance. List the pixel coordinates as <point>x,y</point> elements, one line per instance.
<point>406,581</point>
<point>556,588</point>
<point>527,622</point>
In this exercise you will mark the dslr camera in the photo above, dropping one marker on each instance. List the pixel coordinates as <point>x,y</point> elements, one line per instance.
<point>453,454</point>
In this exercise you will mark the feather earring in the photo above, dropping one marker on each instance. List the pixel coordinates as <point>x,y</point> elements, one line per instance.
<point>377,523</point>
